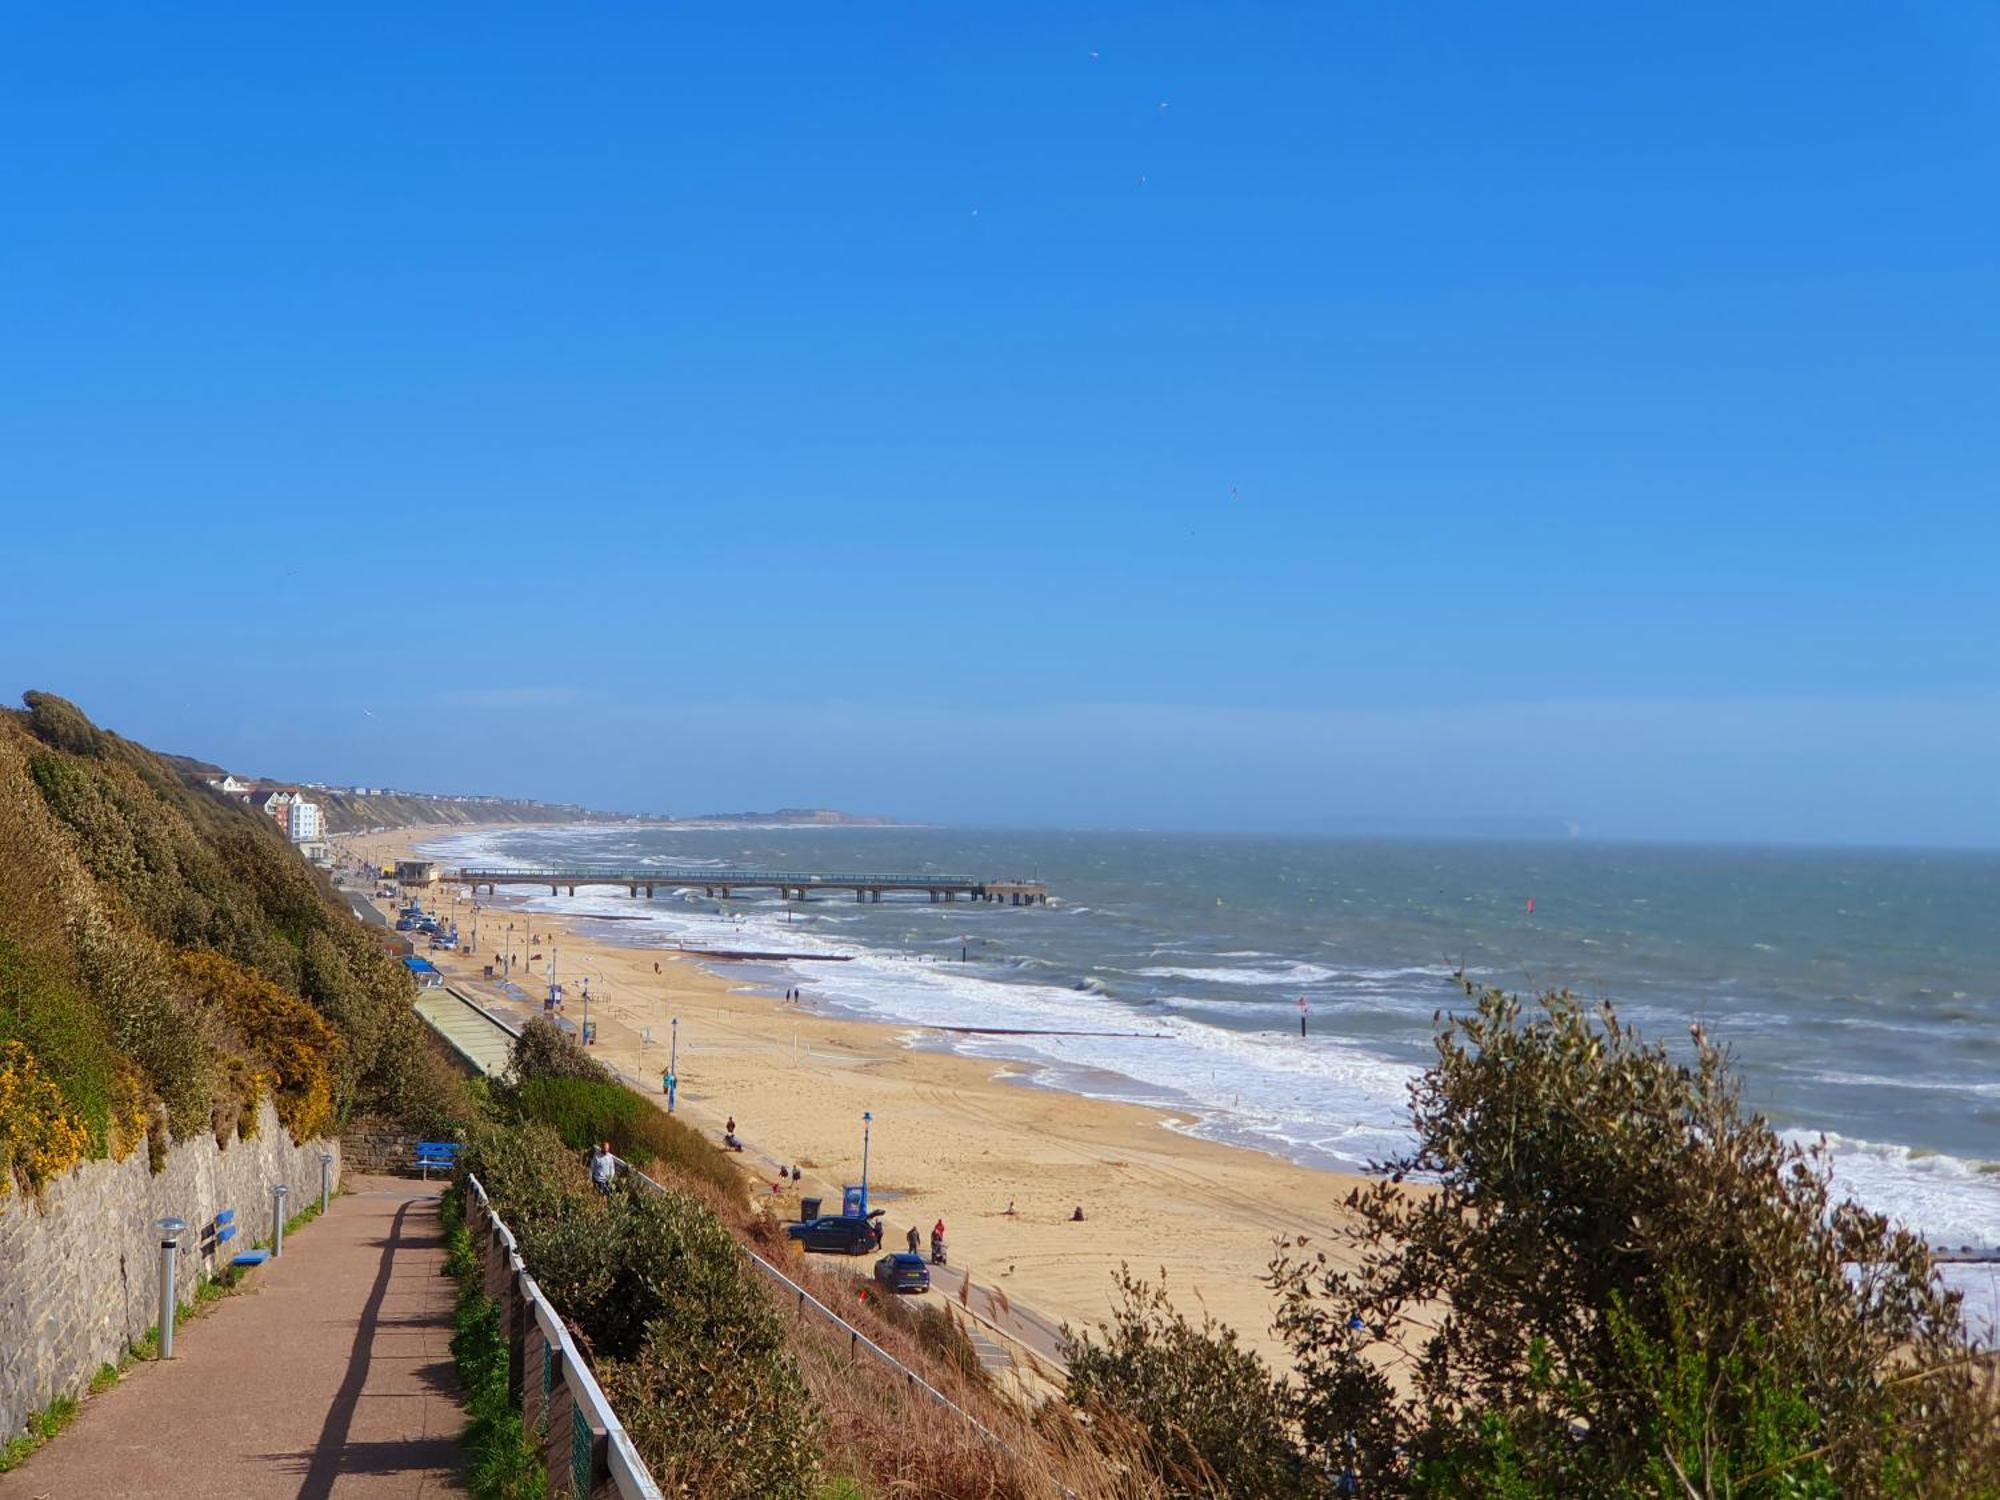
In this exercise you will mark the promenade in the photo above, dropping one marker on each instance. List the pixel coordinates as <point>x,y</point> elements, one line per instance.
<point>327,1373</point>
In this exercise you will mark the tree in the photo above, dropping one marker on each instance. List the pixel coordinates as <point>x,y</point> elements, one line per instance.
<point>1610,1280</point>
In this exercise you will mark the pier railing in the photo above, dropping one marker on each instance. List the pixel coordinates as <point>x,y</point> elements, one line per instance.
<point>662,875</point>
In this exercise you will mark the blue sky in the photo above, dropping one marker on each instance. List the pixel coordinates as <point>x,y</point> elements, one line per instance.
<point>1181,415</point>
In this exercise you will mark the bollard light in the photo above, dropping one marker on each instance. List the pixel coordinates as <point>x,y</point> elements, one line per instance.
<point>171,1230</point>
<point>278,1192</point>
<point>325,1178</point>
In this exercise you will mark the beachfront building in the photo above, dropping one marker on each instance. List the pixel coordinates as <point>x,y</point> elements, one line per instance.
<point>277,807</point>
<point>304,821</point>
<point>416,872</point>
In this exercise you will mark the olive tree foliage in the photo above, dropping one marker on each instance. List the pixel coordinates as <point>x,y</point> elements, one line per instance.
<point>1597,1274</point>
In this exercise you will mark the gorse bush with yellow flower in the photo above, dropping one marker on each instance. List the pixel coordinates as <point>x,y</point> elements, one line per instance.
<point>41,1135</point>
<point>167,962</point>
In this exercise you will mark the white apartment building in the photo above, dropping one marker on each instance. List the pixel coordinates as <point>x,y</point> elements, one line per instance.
<point>304,822</point>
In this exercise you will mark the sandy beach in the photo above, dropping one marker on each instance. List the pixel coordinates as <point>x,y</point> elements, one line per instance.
<point>952,1138</point>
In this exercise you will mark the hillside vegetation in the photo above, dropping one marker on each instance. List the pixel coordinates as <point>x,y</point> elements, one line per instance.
<point>167,961</point>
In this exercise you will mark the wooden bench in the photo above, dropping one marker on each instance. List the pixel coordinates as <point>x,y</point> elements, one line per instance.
<point>440,1154</point>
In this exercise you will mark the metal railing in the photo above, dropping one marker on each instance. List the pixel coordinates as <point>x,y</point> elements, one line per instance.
<point>857,1341</point>
<point>598,1446</point>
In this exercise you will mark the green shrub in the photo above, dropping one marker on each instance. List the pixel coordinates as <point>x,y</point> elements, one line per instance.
<point>656,1141</point>
<point>42,1007</point>
<point>545,1050</point>
<point>581,1111</point>
<point>1650,1294</point>
<point>715,1403</point>
<point>584,1111</point>
<point>686,1341</point>
<point>1211,1412</point>
<point>503,1464</point>
<point>527,1171</point>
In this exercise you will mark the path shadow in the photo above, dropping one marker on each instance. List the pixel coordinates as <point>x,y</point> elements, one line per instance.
<point>334,1455</point>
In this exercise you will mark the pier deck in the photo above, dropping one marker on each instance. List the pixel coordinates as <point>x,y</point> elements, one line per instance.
<point>793,885</point>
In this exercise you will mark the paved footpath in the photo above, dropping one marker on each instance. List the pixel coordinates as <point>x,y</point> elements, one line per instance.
<point>328,1373</point>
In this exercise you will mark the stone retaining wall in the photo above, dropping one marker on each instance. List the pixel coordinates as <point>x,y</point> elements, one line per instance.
<point>372,1147</point>
<point>80,1271</point>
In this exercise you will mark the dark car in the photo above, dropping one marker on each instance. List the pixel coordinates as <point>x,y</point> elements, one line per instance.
<point>835,1232</point>
<point>900,1271</point>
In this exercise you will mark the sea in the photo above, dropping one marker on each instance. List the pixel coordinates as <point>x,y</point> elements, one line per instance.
<point>1858,991</point>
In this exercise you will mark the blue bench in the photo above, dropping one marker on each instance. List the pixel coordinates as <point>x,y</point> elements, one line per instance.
<point>440,1154</point>
<point>225,1231</point>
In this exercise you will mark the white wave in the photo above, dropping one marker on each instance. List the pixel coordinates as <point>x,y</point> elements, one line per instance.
<point>1288,974</point>
<point>1946,1199</point>
<point>1320,1100</point>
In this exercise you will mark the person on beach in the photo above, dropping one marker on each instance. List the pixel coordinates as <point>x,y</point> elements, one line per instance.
<point>603,1168</point>
<point>1010,1209</point>
<point>796,1174</point>
<point>1077,1217</point>
<point>913,1239</point>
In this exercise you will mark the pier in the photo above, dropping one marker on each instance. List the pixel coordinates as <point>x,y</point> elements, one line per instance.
<point>792,885</point>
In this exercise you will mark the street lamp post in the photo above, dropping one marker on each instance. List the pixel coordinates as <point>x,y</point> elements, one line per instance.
<point>867,1121</point>
<point>171,1230</point>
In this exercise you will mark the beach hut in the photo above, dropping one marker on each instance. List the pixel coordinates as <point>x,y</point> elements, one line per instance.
<point>424,972</point>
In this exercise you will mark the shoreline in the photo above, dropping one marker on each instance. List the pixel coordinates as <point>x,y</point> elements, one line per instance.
<point>954,1137</point>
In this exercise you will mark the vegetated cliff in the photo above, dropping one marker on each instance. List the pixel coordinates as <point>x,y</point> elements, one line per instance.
<point>348,813</point>
<point>167,960</point>
<point>796,817</point>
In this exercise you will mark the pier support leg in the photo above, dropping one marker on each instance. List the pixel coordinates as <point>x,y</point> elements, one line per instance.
<point>554,891</point>
<point>859,894</point>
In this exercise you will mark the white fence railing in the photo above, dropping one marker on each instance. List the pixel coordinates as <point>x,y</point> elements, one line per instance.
<point>546,1374</point>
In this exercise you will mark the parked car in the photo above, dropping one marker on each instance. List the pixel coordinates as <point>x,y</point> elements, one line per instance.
<point>900,1271</point>
<point>837,1233</point>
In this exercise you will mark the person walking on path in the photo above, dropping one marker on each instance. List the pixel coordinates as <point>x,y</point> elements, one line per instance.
<point>913,1239</point>
<point>603,1168</point>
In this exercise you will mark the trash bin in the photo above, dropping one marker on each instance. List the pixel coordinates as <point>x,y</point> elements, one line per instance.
<point>489,971</point>
<point>808,1210</point>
